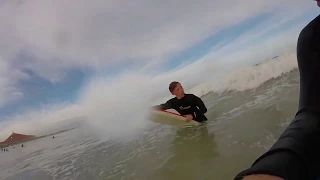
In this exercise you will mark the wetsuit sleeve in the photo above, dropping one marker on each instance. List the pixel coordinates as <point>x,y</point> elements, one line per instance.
<point>296,154</point>
<point>202,107</point>
<point>165,106</point>
<point>277,165</point>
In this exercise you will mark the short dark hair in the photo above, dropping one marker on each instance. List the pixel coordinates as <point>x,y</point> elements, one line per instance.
<point>173,85</point>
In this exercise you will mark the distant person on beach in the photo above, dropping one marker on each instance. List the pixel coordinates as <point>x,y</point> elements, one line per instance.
<point>188,105</point>
<point>296,154</point>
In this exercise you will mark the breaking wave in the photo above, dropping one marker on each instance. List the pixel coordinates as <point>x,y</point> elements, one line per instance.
<point>249,77</point>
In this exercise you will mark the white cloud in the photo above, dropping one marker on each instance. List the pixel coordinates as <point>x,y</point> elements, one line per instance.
<point>95,34</point>
<point>8,79</point>
<point>92,33</point>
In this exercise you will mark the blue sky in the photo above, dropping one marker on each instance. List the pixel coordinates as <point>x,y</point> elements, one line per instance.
<point>66,49</point>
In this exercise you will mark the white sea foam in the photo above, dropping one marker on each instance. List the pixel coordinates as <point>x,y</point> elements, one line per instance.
<point>249,77</point>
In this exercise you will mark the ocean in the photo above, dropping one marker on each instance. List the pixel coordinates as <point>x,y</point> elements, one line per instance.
<point>247,112</point>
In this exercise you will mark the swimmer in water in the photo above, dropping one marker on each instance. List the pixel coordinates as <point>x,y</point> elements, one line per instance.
<point>188,105</point>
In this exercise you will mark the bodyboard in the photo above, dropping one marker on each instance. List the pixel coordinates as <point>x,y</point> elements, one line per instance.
<point>171,119</point>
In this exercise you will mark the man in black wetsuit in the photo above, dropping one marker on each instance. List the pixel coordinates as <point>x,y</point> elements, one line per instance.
<point>188,105</point>
<point>296,154</point>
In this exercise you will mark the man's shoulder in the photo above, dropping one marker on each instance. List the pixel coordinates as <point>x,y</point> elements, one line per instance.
<point>172,99</point>
<point>191,95</point>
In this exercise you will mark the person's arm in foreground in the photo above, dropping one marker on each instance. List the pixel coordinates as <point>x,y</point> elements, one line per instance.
<point>262,177</point>
<point>296,154</point>
<point>163,106</point>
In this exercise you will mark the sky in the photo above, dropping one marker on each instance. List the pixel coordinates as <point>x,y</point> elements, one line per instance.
<point>104,61</point>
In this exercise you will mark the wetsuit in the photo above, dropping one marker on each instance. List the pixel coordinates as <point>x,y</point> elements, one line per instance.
<point>189,104</point>
<point>296,154</point>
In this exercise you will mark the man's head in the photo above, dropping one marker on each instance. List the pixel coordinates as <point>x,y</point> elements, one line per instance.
<point>176,89</point>
<point>318,2</point>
